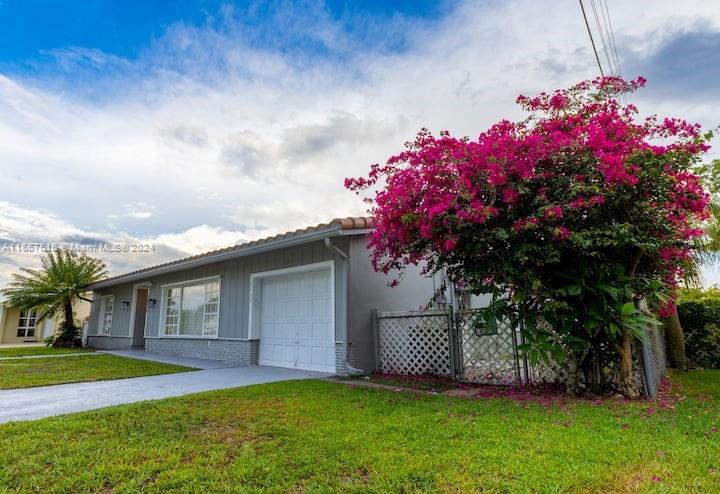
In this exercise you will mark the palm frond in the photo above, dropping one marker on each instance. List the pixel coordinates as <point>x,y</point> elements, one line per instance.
<point>63,278</point>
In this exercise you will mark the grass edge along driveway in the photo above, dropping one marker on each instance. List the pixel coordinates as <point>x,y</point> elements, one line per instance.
<point>31,372</point>
<point>31,351</point>
<point>329,437</point>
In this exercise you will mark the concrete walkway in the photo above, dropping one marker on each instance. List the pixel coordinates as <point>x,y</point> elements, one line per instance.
<point>46,401</point>
<point>195,363</point>
<point>21,345</point>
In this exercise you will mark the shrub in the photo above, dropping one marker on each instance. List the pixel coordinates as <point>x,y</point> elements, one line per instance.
<point>699,313</point>
<point>69,336</point>
<point>570,216</point>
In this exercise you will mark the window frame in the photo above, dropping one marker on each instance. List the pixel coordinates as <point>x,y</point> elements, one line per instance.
<point>101,319</point>
<point>180,285</point>
<point>27,327</point>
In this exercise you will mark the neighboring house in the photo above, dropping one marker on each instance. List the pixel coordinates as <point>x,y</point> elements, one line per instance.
<point>303,300</point>
<point>21,326</point>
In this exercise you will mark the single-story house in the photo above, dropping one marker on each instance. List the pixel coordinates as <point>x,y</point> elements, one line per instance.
<point>21,326</point>
<point>303,299</point>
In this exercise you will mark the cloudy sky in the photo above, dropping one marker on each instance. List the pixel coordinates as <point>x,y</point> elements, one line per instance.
<point>199,126</point>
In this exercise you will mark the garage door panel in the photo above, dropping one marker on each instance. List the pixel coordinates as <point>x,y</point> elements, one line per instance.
<point>304,355</point>
<point>305,308</point>
<point>292,309</point>
<point>321,285</point>
<point>320,332</point>
<point>318,355</point>
<point>296,317</point>
<point>303,330</point>
<point>319,308</point>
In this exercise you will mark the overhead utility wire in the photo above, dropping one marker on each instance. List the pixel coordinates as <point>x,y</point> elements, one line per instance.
<point>592,41</point>
<point>602,37</point>
<point>611,35</point>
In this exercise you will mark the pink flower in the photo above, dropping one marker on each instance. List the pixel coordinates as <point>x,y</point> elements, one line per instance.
<point>510,196</point>
<point>577,203</point>
<point>561,233</point>
<point>667,309</point>
<point>582,149</point>
<point>553,212</point>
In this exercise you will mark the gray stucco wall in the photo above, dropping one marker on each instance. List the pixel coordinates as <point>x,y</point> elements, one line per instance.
<point>355,282</point>
<point>369,290</point>
<point>234,293</point>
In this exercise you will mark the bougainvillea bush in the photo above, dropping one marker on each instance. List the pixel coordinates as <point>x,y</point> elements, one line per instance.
<point>572,216</point>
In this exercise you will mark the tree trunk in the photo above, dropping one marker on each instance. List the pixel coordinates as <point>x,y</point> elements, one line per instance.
<point>573,382</point>
<point>68,310</point>
<point>675,339</point>
<point>68,332</point>
<point>624,348</point>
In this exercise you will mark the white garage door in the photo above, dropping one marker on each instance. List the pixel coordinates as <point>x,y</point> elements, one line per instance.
<point>296,327</point>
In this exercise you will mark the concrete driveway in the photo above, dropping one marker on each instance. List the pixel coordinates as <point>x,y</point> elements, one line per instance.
<point>45,401</point>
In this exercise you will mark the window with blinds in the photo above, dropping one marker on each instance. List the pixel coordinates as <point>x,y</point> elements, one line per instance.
<point>192,309</point>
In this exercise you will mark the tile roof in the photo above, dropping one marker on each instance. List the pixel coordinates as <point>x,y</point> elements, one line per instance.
<point>337,224</point>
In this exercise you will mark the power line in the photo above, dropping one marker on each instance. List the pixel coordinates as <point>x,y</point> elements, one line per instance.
<point>592,41</point>
<point>611,34</point>
<point>602,36</point>
<point>608,34</point>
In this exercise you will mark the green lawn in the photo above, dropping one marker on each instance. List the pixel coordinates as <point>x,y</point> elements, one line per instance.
<point>319,436</point>
<point>30,372</point>
<point>38,350</point>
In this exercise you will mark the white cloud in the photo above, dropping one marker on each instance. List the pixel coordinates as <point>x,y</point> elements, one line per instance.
<point>25,234</point>
<point>206,130</point>
<point>140,210</point>
<point>199,239</point>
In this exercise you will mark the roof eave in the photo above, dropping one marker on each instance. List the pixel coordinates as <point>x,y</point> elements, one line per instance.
<point>331,231</point>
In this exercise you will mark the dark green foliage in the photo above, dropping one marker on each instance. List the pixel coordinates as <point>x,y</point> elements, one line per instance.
<point>69,336</point>
<point>699,312</point>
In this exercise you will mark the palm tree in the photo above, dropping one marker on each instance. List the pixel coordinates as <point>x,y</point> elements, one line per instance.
<point>62,280</point>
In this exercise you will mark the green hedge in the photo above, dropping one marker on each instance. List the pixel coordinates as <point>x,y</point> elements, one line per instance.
<point>699,313</point>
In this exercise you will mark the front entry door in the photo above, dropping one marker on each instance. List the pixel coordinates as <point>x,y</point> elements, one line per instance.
<point>138,339</point>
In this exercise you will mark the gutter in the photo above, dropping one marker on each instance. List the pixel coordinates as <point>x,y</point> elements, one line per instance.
<point>353,371</point>
<point>221,256</point>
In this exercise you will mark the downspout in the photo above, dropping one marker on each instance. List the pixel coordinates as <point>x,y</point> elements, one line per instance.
<point>336,250</point>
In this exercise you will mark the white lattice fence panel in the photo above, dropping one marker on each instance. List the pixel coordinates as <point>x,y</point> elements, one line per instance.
<point>550,372</point>
<point>486,357</point>
<point>414,343</point>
